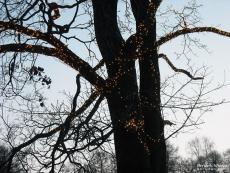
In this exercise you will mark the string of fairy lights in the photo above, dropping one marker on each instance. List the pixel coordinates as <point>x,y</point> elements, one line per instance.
<point>132,124</point>
<point>61,50</point>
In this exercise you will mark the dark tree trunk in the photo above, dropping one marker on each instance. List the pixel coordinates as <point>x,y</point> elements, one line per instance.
<point>150,108</point>
<point>136,115</point>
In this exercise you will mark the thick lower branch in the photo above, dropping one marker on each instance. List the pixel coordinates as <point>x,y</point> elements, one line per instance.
<point>61,52</point>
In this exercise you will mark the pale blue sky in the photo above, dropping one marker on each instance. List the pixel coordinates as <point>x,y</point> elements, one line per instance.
<point>217,126</point>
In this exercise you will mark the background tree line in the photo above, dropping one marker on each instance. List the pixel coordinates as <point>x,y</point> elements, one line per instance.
<point>202,157</point>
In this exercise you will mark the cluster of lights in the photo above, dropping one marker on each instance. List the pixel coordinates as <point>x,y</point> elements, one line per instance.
<point>134,124</point>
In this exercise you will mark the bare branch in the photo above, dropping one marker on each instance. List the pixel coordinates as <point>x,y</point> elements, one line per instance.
<point>64,54</point>
<point>72,116</point>
<point>99,65</point>
<point>77,93</point>
<point>28,48</point>
<point>178,69</point>
<point>28,10</point>
<point>188,116</point>
<point>184,31</point>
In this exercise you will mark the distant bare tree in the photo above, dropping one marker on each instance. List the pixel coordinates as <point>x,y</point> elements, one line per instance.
<point>204,156</point>
<point>200,147</point>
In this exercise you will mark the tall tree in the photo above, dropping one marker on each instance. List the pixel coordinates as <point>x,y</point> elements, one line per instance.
<point>29,28</point>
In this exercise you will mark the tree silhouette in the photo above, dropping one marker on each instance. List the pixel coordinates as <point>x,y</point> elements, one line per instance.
<point>15,168</point>
<point>29,29</point>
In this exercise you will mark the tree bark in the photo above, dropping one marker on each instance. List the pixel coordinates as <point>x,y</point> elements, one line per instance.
<point>135,114</point>
<point>150,105</point>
